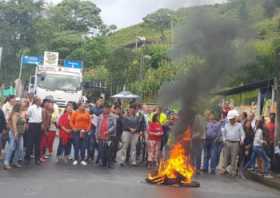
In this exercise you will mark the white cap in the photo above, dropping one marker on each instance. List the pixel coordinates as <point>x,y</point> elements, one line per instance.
<point>232,114</point>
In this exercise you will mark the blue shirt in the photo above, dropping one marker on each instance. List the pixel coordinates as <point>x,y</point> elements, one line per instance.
<point>213,130</point>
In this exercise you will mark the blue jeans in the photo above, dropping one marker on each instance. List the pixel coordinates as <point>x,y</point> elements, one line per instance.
<point>11,149</point>
<point>79,145</point>
<point>19,153</point>
<point>91,144</point>
<point>211,152</point>
<point>258,151</point>
<point>63,149</point>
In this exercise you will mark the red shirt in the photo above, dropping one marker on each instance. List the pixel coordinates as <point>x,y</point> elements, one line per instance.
<point>155,131</point>
<point>104,127</point>
<point>64,121</point>
<point>270,131</point>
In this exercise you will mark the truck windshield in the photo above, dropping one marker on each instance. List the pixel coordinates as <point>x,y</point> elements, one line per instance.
<point>59,82</point>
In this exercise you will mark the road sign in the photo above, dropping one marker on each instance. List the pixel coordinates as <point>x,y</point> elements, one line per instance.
<point>76,64</point>
<point>51,58</point>
<point>31,60</point>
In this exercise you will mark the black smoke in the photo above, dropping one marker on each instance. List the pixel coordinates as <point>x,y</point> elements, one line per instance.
<point>221,42</point>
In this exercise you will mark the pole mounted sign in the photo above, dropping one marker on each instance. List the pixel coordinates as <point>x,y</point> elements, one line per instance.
<point>76,64</point>
<point>31,60</point>
<point>51,58</point>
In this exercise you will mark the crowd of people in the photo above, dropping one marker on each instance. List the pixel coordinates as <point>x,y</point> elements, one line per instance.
<point>108,135</point>
<point>101,133</point>
<point>232,143</point>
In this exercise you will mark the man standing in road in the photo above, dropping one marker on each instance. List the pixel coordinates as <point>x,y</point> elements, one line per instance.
<point>233,136</point>
<point>130,135</point>
<point>33,135</point>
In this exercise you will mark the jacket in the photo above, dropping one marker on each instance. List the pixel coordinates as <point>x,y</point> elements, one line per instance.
<point>111,127</point>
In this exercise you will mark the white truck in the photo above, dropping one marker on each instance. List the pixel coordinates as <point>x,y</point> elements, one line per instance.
<point>63,83</point>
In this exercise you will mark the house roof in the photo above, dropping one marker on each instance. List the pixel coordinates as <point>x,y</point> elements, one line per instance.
<point>247,87</point>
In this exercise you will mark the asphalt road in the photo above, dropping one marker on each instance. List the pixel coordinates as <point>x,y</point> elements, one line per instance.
<point>65,181</point>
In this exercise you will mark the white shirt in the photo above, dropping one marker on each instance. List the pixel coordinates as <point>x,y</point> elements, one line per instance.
<point>258,139</point>
<point>233,132</point>
<point>7,110</point>
<point>34,114</point>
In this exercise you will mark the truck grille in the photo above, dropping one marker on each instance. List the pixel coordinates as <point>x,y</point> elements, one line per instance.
<point>60,103</point>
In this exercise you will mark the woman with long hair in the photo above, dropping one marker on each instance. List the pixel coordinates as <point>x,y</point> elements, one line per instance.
<point>80,123</point>
<point>258,150</point>
<point>155,133</point>
<point>65,131</point>
<point>47,110</point>
<point>17,127</point>
<point>247,147</point>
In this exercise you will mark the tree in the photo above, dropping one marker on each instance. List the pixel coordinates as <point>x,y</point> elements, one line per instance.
<point>158,54</point>
<point>17,18</point>
<point>160,20</point>
<point>120,64</point>
<point>93,52</point>
<point>76,15</point>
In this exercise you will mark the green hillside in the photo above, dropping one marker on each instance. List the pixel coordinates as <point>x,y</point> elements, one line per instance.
<point>128,35</point>
<point>107,54</point>
<point>263,17</point>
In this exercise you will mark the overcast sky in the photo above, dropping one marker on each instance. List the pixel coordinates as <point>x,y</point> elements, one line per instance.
<point>124,13</point>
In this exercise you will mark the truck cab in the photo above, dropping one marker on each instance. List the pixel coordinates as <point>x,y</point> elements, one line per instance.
<point>63,83</point>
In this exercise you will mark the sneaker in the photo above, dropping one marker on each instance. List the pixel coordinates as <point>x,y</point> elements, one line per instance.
<point>58,159</point>
<point>75,163</point>
<point>38,162</point>
<point>213,172</point>
<point>7,167</point>
<point>268,176</point>
<point>42,159</point>
<point>84,163</point>
<point>17,165</point>
<point>46,157</point>
<point>134,164</point>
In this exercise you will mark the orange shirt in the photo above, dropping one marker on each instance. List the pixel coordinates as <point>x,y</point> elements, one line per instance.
<point>80,120</point>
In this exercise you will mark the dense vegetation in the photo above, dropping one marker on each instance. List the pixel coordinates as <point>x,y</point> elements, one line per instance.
<point>74,29</point>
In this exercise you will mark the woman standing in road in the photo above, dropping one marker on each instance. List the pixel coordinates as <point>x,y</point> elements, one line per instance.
<point>155,134</point>
<point>81,124</point>
<point>17,127</point>
<point>258,150</point>
<point>64,147</point>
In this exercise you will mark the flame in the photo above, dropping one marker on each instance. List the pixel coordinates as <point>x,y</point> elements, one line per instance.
<point>177,165</point>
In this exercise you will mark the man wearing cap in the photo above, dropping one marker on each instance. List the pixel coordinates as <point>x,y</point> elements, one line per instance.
<point>233,137</point>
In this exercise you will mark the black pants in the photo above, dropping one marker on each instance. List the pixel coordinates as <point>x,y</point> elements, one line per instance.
<point>105,152</point>
<point>115,147</point>
<point>33,138</point>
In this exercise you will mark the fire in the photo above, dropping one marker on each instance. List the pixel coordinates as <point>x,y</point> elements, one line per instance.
<point>178,167</point>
